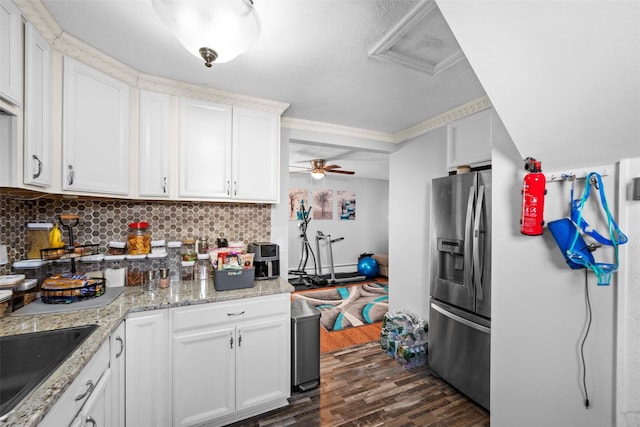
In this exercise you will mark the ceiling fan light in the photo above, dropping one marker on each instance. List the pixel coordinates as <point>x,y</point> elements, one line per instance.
<point>226,27</point>
<point>317,174</point>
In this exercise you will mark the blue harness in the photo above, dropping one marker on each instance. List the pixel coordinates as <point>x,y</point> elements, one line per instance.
<point>566,232</point>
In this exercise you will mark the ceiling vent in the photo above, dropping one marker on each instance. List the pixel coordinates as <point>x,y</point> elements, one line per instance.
<point>421,41</point>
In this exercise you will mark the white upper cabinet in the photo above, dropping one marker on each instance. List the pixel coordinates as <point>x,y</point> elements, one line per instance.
<point>469,140</point>
<point>256,155</point>
<point>205,149</point>
<point>95,134</point>
<point>10,52</point>
<point>228,153</point>
<point>154,144</point>
<point>37,109</point>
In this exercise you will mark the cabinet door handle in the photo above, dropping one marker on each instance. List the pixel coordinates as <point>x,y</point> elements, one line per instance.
<point>235,188</point>
<point>37,174</point>
<point>164,185</point>
<point>90,420</point>
<point>239,339</point>
<point>228,189</point>
<point>231,341</point>
<point>90,387</point>
<point>119,339</point>
<point>237,313</point>
<point>70,175</point>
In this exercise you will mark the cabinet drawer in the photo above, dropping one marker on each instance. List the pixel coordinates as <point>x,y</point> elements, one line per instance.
<point>69,405</point>
<point>230,311</point>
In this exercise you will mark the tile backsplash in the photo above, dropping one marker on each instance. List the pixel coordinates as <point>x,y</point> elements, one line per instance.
<point>102,221</point>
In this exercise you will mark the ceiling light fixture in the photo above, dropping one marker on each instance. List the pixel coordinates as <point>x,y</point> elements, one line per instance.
<point>215,30</point>
<point>317,174</point>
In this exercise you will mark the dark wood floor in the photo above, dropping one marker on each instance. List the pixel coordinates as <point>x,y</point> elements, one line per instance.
<point>362,386</point>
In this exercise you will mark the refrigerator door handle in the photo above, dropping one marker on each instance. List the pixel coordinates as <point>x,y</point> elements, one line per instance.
<point>477,261</point>
<point>468,243</point>
<point>460,319</point>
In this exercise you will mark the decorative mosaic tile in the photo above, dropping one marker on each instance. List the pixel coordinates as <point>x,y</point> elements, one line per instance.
<point>102,221</point>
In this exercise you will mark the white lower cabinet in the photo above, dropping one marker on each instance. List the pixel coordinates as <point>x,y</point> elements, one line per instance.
<point>88,395</point>
<point>117,354</point>
<point>262,362</point>
<point>97,411</point>
<point>203,375</point>
<point>147,369</point>
<point>231,360</point>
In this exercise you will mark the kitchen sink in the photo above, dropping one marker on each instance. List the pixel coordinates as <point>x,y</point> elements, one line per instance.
<point>26,360</point>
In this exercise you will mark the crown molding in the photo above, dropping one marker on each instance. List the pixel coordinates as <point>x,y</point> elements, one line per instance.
<point>36,13</point>
<point>421,128</point>
<point>329,128</point>
<point>443,119</point>
<point>77,49</point>
<point>180,88</point>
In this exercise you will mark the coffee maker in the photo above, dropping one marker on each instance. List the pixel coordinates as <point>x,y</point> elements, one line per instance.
<point>266,260</point>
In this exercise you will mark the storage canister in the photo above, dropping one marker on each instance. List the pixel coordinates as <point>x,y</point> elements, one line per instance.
<point>158,247</point>
<point>139,238</point>
<point>117,248</point>
<point>186,270</point>
<point>202,267</point>
<point>189,250</point>
<point>150,280</point>
<point>175,257</point>
<point>37,238</point>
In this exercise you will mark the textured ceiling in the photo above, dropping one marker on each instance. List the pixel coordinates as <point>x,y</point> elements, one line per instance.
<point>312,54</point>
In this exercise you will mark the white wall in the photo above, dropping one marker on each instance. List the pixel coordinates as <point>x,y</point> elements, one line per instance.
<point>412,168</point>
<point>628,349</point>
<point>539,314</point>
<point>279,211</point>
<point>563,75</point>
<point>563,78</point>
<point>369,232</point>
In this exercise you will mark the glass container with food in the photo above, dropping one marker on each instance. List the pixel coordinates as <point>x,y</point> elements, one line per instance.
<point>189,250</point>
<point>139,238</point>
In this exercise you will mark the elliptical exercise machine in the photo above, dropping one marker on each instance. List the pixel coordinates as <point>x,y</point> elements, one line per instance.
<point>303,277</point>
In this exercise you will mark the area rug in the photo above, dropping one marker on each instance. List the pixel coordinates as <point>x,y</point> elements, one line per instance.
<point>349,306</point>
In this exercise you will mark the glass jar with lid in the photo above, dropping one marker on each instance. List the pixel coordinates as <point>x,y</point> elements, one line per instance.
<point>189,250</point>
<point>139,238</point>
<point>202,269</point>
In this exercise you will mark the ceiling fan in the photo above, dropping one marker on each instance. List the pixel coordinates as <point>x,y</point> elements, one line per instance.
<point>319,168</point>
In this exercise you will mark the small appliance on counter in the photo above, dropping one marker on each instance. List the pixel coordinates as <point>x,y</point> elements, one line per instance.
<point>266,260</point>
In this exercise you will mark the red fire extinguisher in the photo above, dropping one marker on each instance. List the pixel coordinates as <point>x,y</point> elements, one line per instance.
<point>533,192</point>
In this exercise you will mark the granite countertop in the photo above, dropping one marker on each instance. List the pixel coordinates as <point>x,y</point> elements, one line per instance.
<point>33,409</point>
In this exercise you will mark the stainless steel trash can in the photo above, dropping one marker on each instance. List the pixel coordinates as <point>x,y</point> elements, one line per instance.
<point>305,346</point>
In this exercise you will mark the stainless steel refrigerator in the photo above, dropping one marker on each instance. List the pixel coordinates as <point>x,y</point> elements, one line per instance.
<point>460,306</point>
